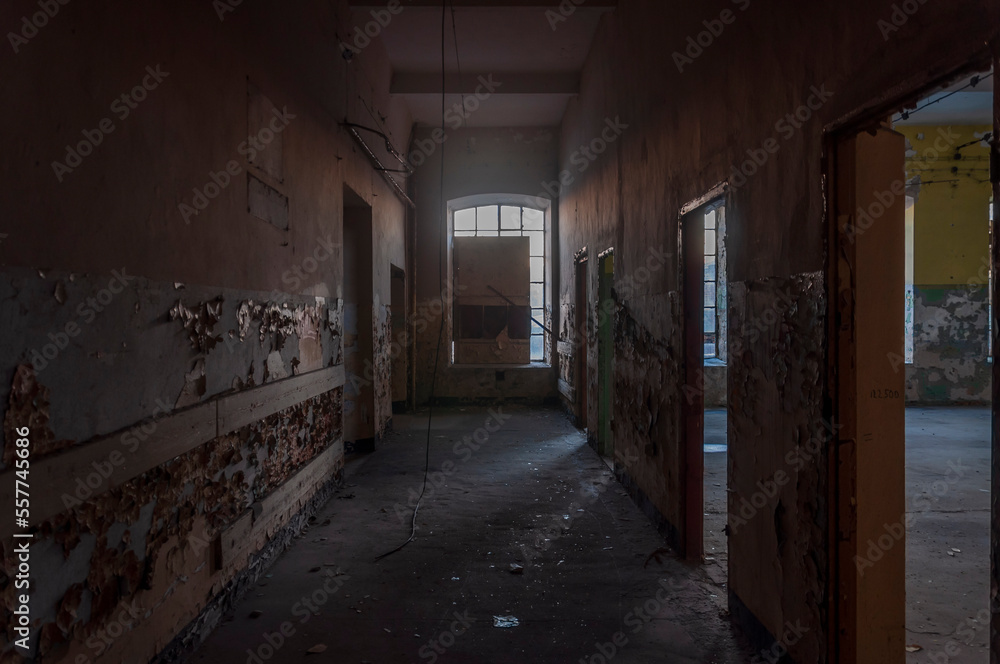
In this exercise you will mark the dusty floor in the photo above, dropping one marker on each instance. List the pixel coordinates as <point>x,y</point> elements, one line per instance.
<point>532,495</point>
<point>948,496</point>
<point>716,512</point>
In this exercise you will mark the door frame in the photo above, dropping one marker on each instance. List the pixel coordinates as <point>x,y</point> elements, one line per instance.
<point>691,283</point>
<point>842,642</point>
<point>581,288</point>
<point>605,353</point>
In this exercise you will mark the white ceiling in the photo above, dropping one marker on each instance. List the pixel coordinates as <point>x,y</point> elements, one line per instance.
<point>971,106</point>
<point>536,59</point>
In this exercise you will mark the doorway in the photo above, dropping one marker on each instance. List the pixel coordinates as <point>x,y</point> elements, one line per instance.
<point>605,353</point>
<point>359,389</point>
<point>700,295</point>
<point>399,373</point>
<point>582,347</point>
<point>910,293</point>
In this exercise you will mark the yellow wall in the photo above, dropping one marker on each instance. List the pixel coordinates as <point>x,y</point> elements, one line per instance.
<point>951,235</point>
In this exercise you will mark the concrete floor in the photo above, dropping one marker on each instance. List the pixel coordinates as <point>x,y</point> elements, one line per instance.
<point>716,510</point>
<point>947,596</point>
<point>533,495</point>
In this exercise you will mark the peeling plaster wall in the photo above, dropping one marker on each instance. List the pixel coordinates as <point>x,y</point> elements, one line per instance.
<point>951,236</point>
<point>950,347</point>
<point>699,121</point>
<point>209,308</point>
<point>517,161</point>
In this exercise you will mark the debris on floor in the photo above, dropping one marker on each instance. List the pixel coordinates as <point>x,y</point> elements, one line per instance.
<point>505,621</point>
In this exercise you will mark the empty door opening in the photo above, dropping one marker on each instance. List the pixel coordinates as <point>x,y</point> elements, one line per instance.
<point>359,390</point>
<point>605,353</point>
<point>399,371</point>
<point>580,342</point>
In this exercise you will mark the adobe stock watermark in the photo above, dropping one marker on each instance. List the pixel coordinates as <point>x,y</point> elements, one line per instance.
<point>785,128</point>
<point>219,181</point>
<point>364,35</point>
<point>561,523</point>
<point>30,25</point>
<point>121,107</point>
<point>421,320</point>
<point>698,44</point>
<point>86,312</point>
<point>792,634</point>
<point>566,9</point>
<point>130,440</point>
<point>583,158</point>
<point>304,609</point>
<point>636,620</point>
<point>896,532</point>
<point>441,642</point>
<point>865,218</point>
<point>624,288</point>
<point>454,117</point>
<point>900,16</point>
<point>223,7</point>
<point>796,460</point>
<point>464,450</point>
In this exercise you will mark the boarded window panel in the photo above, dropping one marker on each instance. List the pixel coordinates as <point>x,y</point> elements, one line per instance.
<point>519,323</point>
<point>494,321</point>
<point>481,265</point>
<point>470,323</point>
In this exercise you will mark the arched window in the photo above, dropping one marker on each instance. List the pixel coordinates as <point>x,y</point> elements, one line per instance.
<point>500,248</point>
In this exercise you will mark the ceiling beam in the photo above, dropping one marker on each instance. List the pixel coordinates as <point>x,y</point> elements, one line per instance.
<point>521,83</point>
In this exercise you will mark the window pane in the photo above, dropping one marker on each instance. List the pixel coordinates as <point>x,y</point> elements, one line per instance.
<point>709,243</point>
<point>710,294</point>
<point>710,319</point>
<point>537,349</point>
<point>487,233</point>
<point>538,314</point>
<point>510,218</point>
<point>487,218</point>
<point>510,233</point>
<point>709,349</point>
<point>465,233</point>
<point>537,243</point>
<point>709,268</point>
<point>710,220</point>
<point>465,220</point>
<point>537,295</point>
<point>536,329</point>
<point>538,269</point>
<point>534,220</point>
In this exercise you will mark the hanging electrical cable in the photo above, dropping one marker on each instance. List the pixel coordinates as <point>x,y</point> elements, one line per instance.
<point>437,351</point>
<point>973,82</point>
